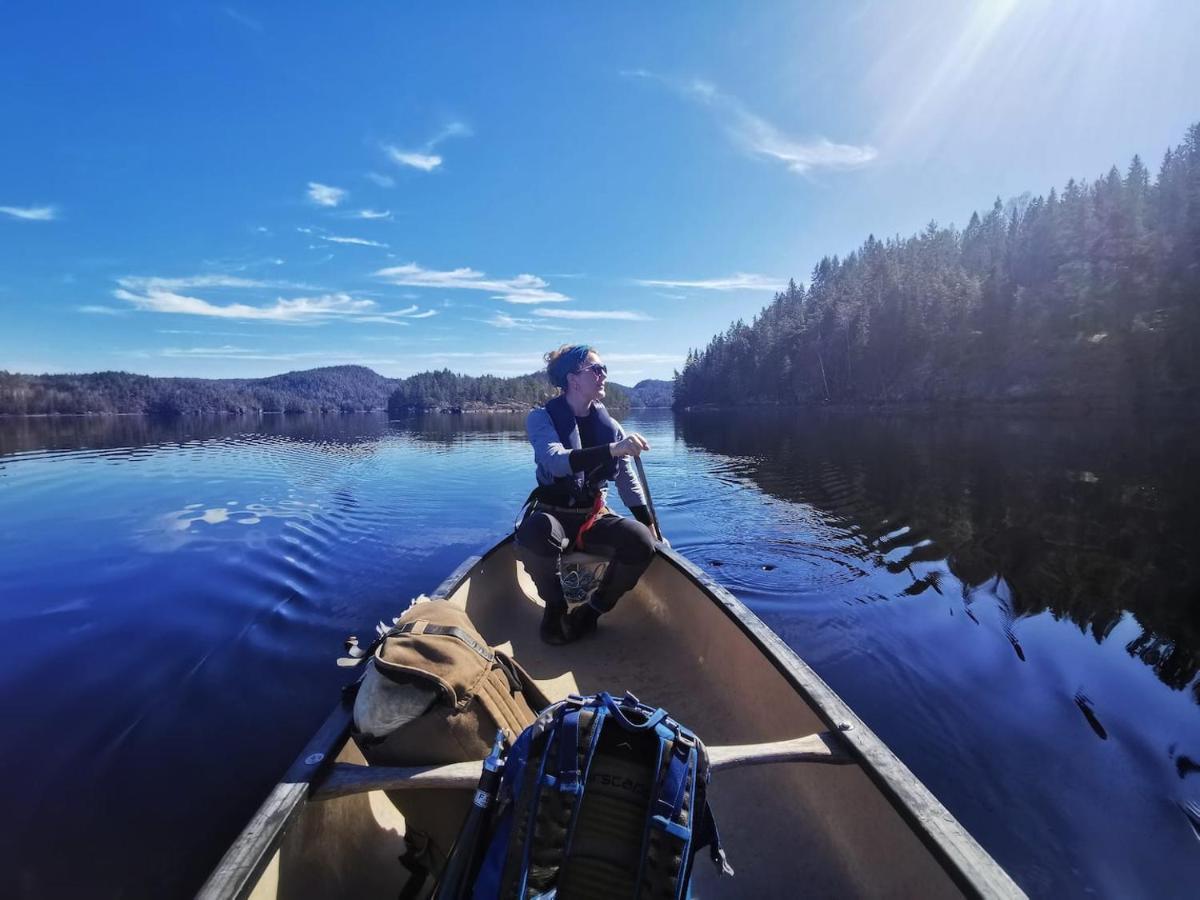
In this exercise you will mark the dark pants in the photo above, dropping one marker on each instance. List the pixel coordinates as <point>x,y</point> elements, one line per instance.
<point>543,536</point>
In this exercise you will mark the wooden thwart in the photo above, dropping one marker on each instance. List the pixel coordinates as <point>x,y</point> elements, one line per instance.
<point>347,778</point>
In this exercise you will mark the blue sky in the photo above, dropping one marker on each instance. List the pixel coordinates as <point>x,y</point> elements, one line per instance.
<point>243,189</point>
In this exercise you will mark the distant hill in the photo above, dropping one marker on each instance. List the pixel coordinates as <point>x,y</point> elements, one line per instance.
<point>332,389</point>
<point>651,393</point>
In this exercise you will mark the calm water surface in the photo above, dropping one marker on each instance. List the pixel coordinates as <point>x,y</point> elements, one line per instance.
<point>1012,604</point>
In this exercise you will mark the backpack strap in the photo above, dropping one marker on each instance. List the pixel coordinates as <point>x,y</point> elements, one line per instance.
<point>495,862</point>
<point>706,835</point>
<point>573,781</point>
<point>619,709</point>
<point>679,817</point>
<point>576,729</point>
<point>568,753</point>
<point>668,804</point>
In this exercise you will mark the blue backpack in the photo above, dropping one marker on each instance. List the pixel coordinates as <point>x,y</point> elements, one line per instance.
<point>600,798</point>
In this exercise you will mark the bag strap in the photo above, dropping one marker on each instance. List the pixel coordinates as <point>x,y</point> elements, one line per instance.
<point>357,653</point>
<point>534,695</point>
<point>420,626</point>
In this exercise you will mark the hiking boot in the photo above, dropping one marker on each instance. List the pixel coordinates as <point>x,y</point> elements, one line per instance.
<point>556,626</point>
<point>582,620</point>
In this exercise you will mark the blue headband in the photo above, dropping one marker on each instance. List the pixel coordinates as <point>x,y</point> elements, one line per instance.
<point>567,362</point>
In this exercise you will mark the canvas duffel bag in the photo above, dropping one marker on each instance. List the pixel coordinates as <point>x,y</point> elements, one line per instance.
<point>437,693</point>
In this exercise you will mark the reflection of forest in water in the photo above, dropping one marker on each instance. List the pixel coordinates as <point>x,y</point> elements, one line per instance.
<point>447,430</point>
<point>51,433</point>
<point>1088,519</point>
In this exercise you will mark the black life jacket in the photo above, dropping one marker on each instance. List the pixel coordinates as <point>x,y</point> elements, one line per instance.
<point>596,429</point>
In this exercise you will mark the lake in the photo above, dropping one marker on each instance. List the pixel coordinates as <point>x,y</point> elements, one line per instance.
<point>1011,603</point>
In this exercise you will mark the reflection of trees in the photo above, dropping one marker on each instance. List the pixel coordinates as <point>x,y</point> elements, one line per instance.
<point>335,432</point>
<point>1087,519</point>
<point>25,434</point>
<point>444,430</point>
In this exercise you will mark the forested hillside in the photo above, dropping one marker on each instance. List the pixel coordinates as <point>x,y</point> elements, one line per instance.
<point>1092,294</point>
<point>325,390</point>
<point>331,389</point>
<point>651,393</point>
<point>446,390</point>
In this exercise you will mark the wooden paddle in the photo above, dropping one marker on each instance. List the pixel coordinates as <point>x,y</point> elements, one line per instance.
<point>347,778</point>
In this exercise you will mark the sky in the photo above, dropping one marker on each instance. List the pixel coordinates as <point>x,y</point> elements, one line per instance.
<point>242,189</point>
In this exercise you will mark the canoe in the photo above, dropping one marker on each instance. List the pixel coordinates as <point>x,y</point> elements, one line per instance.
<point>844,818</point>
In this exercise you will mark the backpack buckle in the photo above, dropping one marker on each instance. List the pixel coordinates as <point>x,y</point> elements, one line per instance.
<point>685,737</point>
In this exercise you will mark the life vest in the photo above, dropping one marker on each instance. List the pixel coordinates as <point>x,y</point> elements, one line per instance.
<point>598,428</point>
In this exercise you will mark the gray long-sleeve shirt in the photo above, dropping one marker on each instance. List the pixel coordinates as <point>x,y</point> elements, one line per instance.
<point>553,459</point>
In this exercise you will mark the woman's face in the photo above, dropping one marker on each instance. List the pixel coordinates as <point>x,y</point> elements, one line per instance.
<point>590,378</point>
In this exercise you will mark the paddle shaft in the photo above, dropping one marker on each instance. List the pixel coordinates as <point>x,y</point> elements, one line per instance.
<point>641,470</point>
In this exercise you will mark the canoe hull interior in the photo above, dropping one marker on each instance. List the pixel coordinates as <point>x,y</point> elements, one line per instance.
<point>679,642</point>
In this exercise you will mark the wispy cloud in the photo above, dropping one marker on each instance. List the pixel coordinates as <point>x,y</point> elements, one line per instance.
<point>426,162</point>
<point>326,357</point>
<point>741,281</point>
<point>494,362</point>
<point>241,263</point>
<point>299,309</point>
<point>620,315</point>
<point>424,158</point>
<point>102,310</point>
<point>228,351</point>
<point>242,19</point>
<point>521,289</point>
<point>148,283</point>
<point>761,138</point>
<point>323,235</point>
<point>384,181</point>
<point>324,194</point>
<point>513,323</point>
<point>361,242</point>
<point>206,333</point>
<point>163,295</point>
<point>31,213</point>
<point>373,214</point>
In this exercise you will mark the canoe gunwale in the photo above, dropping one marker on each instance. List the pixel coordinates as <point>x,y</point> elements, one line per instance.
<point>243,863</point>
<point>966,862</point>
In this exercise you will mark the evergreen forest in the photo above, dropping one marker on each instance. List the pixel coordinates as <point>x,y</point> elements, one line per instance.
<point>1091,295</point>
<point>333,389</point>
<point>445,389</point>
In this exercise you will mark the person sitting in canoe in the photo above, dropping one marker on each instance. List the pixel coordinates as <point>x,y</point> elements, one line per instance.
<point>578,448</point>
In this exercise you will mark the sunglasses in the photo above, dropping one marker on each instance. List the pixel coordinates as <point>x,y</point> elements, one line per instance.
<point>596,369</point>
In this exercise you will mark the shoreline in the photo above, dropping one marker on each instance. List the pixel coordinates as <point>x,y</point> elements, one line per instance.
<point>921,409</point>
